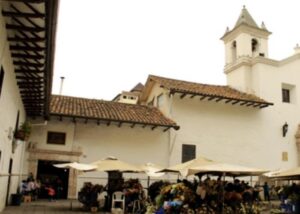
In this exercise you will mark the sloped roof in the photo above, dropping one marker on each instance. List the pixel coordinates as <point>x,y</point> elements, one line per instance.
<point>108,111</point>
<point>138,88</point>
<point>245,18</point>
<point>210,91</point>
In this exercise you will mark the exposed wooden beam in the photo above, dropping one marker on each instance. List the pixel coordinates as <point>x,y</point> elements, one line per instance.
<point>98,122</point>
<point>243,103</point>
<point>29,1</point>
<point>264,106</point>
<point>219,99</point>
<point>228,100</point>
<point>22,14</point>
<point>154,127</point>
<point>182,95</point>
<point>203,97</point>
<point>86,120</point>
<point>19,39</point>
<point>235,102</point>
<point>30,64</point>
<point>24,28</point>
<point>192,96</point>
<point>250,104</point>
<point>120,124</point>
<point>60,118</point>
<point>133,125</point>
<point>108,123</point>
<point>29,78</point>
<point>144,125</point>
<point>166,129</point>
<point>27,56</point>
<point>25,48</point>
<point>29,71</point>
<point>256,105</point>
<point>211,98</point>
<point>74,120</point>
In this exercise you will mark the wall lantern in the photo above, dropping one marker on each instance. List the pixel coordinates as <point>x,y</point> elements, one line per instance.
<point>284,129</point>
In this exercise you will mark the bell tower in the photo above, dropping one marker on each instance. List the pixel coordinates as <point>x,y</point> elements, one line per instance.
<point>243,43</point>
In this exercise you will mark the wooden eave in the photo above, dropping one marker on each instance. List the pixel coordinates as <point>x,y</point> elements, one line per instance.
<point>227,100</point>
<point>119,123</point>
<point>31,30</point>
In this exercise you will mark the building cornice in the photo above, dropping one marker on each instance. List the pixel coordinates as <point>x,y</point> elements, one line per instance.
<point>249,61</point>
<point>228,36</point>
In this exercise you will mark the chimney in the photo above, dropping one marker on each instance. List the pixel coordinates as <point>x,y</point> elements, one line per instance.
<point>61,85</point>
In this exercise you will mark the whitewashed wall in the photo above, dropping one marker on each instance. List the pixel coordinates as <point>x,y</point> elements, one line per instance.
<point>10,103</point>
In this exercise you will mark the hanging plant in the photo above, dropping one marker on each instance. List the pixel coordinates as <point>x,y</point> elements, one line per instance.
<point>23,131</point>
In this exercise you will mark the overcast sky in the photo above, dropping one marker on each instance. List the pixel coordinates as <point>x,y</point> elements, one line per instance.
<point>106,46</point>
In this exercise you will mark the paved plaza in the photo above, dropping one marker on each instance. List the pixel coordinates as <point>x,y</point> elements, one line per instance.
<point>61,207</point>
<point>45,206</point>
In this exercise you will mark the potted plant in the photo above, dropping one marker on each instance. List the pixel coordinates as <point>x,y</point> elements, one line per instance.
<point>23,131</point>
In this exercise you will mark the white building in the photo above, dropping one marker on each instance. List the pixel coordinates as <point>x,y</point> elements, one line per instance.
<point>251,121</point>
<point>27,39</point>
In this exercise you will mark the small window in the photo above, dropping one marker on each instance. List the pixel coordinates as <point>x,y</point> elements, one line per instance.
<point>1,78</point>
<point>262,54</point>
<point>56,138</point>
<point>124,96</point>
<point>159,101</point>
<point>285,156</point>
<point>188,152</point>
<point>286,95</point>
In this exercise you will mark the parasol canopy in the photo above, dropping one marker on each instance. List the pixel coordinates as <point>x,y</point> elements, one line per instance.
<point>76,165</point>
<point>152,169</point>
<point>113,164</point>
<point>228,169</point>
<point>184,167</point>
<point>290,174</point>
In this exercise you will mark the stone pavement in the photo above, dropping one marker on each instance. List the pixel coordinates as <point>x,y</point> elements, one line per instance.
<point>64,206</point>
<point>45,206</point>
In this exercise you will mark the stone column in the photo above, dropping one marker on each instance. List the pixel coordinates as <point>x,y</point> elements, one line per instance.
<point>72,186</point>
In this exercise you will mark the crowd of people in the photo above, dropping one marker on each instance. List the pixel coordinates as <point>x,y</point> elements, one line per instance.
<point>37,189</point>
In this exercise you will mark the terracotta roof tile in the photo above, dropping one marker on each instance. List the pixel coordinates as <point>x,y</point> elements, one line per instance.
<point>108,110</point>
<point>226,92</point>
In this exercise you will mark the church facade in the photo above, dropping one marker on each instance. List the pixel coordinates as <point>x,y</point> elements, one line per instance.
<point>251,121</point>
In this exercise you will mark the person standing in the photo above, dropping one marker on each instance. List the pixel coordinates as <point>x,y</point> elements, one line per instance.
<point>266,191</point>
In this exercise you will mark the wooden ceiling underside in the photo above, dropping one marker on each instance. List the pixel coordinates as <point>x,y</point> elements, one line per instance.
<point>31,28</point>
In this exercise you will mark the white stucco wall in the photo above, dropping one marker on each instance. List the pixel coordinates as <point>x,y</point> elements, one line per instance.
<point>10,104</point>
<point>223,132</point>
<point>134,145</point>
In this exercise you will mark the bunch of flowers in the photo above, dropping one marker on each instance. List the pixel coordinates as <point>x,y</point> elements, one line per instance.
<point>174,198</point>
<point>88,194</point>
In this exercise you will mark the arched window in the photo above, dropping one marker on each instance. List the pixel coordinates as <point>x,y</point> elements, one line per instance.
<point>254,45</point>
<point>233,47</point>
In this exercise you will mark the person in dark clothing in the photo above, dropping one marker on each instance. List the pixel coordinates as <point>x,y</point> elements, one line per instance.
<point>266,191</point>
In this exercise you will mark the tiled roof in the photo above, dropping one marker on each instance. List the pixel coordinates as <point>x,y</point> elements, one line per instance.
<point>108,111</point>
<point>211,91</point>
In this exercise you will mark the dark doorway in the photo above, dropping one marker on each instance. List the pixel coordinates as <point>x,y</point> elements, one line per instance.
<point>9,179</point>
<point>57,178</point>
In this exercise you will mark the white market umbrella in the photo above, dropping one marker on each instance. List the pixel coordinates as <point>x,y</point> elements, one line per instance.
<point>77,166</point>
<point>184,167</point>
<point>227,169</point>
<point>113,164</point>
<point>151,170</point>
<point>289,174</point>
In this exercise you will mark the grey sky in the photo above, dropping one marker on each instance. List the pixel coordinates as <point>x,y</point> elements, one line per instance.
<point>104,47</point>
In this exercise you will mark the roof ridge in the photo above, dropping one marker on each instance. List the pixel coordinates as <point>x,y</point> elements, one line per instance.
<point>186,81</point>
